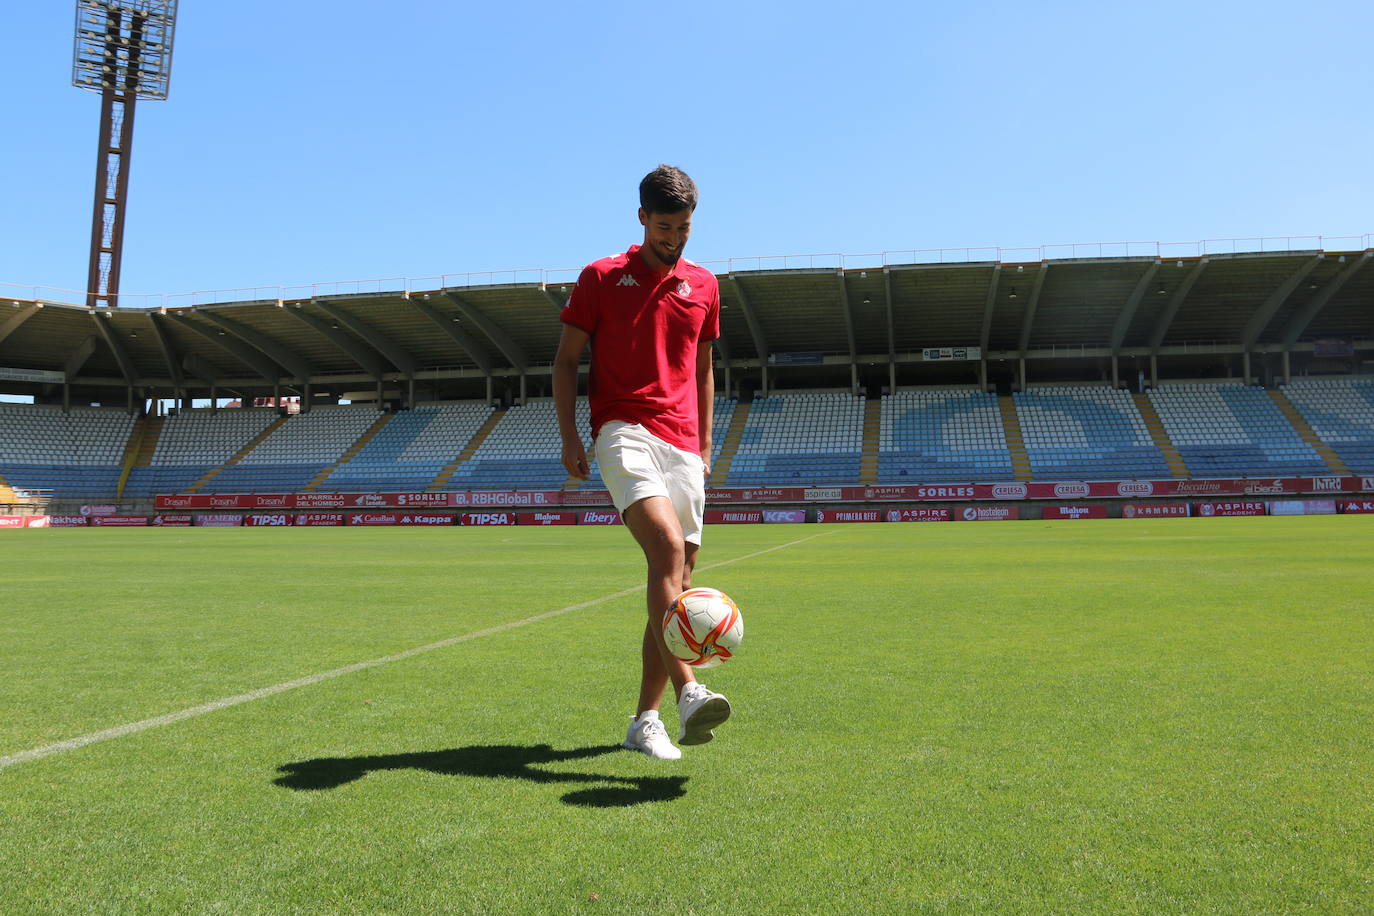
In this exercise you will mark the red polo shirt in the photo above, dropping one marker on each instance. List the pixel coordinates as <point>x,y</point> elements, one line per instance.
<point>645,333</point>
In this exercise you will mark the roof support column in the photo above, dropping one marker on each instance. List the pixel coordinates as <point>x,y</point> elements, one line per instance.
<point>755,329</point>
<point>849,334</point>
<point>891,332</point>
<point>986,332</point>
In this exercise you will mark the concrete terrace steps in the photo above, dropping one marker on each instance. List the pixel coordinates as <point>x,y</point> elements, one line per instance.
<point>1305,431</point>
<point>468,450</point>
<point>349,453</point>
<point>239,455</point>
<point>138,452</point>
<point>730,446</point>
<point>1016,443</point>
<point>873,430</point>
<point>1160,436</point>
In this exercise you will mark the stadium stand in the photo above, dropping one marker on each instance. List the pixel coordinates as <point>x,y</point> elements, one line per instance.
<point>523,452</point>
<point>193,443</point>
<point>75,455</point>
<point>1341,412</point>
<point>723,413</point>
<point>1233,430</point>
<point>296,452</point>
<point>410,451</point>
<point>803,438</point>
<point>942,436</point>
<point>1086,433</point>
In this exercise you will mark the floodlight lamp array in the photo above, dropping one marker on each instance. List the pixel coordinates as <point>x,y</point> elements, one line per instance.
<point>124,45</point>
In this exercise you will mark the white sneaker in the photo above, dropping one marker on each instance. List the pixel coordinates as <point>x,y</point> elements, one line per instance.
<point>699,711</point>
<point>648,736</point>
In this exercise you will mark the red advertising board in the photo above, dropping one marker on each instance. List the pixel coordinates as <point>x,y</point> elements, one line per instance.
<point>599,517</point>
<point>1303,507</point>
<point>120,521</point>
<point>502,498</point>
<point>587,498</point>
<point>734,516</point>
<point>492,517</point>
<point>426,519</point>
<point>320,501</point>
<point>1154,510</point>
<point>784,516</point>
<point>36,521</point>
<point>547,518</point>
<point>171,521</point>
<point>66,521</point>
<point>1238,507</point>
<point>319,519</point>
<point>825,516</point>
<point>1358,506</point>
<point>1073,511</point>
<point>989,513</point>
<point>1011,490</point>
<point>268,520</point>
<point>424,500</point>
<point>11,521</point>
<point>374,518</point>
<point>219,520</point>
<point>919,514</point>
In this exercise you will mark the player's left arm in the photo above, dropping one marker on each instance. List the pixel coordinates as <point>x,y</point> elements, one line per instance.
<point>706,400</point>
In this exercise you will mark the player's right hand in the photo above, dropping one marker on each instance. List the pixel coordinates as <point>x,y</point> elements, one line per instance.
<point>575,459</point>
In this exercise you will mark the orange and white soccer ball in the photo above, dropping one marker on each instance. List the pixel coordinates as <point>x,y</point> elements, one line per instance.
<point>703,627</point>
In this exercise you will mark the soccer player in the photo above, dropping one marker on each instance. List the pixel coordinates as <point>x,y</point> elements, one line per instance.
<point>650,316</point>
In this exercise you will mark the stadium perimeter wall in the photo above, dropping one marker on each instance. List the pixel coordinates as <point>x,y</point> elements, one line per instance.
<point>935,502</point>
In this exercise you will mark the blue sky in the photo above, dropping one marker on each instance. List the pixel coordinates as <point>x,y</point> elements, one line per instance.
<point>311,142</point>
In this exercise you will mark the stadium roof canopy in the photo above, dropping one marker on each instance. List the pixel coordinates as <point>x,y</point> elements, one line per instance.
<point>826,323</point>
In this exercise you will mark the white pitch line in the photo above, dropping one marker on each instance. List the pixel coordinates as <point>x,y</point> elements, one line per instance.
<point>130,728</point>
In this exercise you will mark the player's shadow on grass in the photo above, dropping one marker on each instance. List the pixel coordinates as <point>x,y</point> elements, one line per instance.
<point>498,761</point>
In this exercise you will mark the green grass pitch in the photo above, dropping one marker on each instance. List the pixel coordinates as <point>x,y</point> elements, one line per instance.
<point>1149,716</point>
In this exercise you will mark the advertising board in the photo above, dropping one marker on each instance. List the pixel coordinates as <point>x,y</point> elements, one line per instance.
<point>734,516</point>
<point>919,514</point>
<point>1076,510</point>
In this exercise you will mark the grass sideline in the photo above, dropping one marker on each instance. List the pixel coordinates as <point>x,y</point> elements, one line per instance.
<point>1107,716</point>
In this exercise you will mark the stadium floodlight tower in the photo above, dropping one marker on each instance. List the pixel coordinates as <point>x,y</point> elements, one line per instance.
<point>124,52</point>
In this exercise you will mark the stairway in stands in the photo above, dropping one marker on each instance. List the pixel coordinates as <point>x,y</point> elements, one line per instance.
<point>1160,436</point>
<point>350,453</point>
<point>873,429</point>
<point>139,450</point>
<point>1305,431</point>
<point>239,455</point>
<point>721,470</point>
<point>1016,443</point>
<point>468,450</point>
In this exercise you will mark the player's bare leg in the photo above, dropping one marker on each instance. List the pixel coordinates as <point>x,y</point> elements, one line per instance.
<point>654,524</point>
<point>655,527</point>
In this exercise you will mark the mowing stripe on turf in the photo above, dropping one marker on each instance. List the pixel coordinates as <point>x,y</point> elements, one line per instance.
<point>130,728</point>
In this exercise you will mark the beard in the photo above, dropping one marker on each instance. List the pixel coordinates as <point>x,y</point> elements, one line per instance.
<point>669,258</point>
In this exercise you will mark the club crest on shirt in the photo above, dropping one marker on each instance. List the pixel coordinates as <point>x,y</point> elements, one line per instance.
<point>684,289</point>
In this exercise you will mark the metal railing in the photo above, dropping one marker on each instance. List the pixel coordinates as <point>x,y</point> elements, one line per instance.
<point>566,276</point>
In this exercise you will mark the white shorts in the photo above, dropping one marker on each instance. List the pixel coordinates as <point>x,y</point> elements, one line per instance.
<point>636,464</point>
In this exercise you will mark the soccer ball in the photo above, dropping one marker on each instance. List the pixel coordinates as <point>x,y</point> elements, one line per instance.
<point>703,627</point>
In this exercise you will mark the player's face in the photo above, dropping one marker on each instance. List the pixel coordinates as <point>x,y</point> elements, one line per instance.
<point>665,235</point>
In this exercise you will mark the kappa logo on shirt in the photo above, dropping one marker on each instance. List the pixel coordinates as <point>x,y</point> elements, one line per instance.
<point>684,289</point>
<point>627,280</point>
